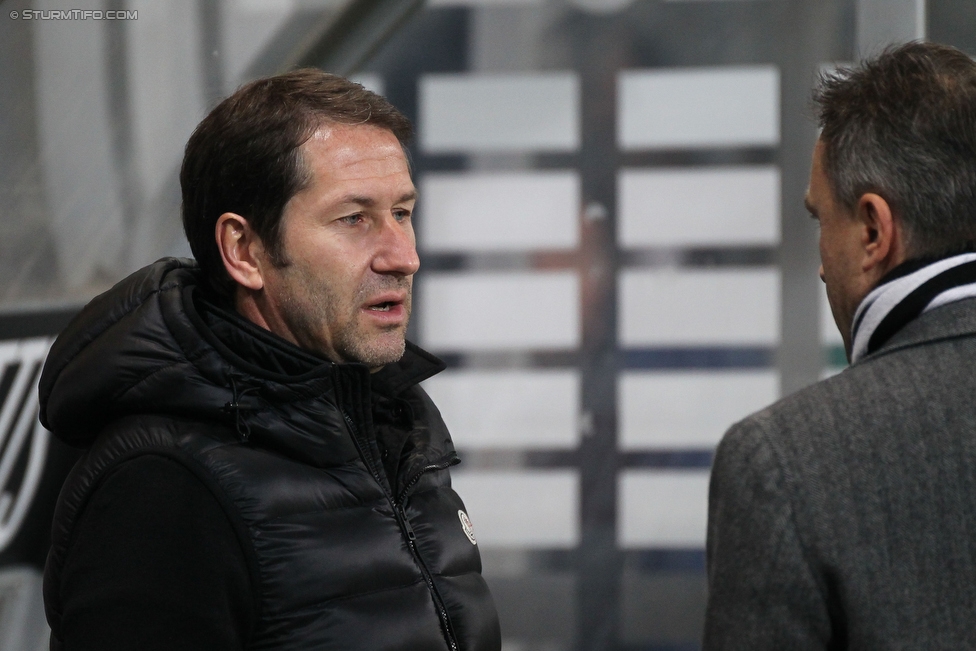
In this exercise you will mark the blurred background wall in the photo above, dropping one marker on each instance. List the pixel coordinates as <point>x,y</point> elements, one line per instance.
<point>616,262</point>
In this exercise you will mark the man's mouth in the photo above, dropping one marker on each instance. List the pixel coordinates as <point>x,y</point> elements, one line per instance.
<point>388,305</point>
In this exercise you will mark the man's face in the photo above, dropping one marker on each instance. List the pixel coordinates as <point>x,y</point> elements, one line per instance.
<point>840,250</point>
<point>350,251</point>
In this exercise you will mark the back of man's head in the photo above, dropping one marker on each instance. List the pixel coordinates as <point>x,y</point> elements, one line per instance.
<point>903,126</point>
<point>245,157</point>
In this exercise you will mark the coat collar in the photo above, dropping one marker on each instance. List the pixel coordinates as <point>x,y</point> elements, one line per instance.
<point>947,322</point>
<point>265,355</point>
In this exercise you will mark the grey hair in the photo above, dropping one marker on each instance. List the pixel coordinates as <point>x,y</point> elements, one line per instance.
<point>903,126</point>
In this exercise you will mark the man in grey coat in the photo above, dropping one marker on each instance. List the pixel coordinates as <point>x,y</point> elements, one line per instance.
<point>844,516</point>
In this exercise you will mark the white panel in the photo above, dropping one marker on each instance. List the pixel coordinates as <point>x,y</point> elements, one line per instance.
<point>508,409</point>
<point>521,509</point>
<point>680,207</point>
<point>497,311</point>
<point>499,112</point>
<point>500,211</point>
<point>688,409</point>
<point>698,107</point>
<point>662,508</point>
<point>730,307</point>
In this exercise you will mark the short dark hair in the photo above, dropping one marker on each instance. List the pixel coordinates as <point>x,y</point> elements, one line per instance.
<point>244,157</point>
<point>903,125</point>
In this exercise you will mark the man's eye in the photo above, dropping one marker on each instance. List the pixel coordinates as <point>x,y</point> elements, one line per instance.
<point>352,219</point>
<point>400,215</point>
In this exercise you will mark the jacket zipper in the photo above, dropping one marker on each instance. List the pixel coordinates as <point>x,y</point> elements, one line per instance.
<point>443,464</point>
<point>407,530</point>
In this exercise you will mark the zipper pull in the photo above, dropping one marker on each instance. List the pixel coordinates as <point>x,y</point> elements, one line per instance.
<point>406,526</point>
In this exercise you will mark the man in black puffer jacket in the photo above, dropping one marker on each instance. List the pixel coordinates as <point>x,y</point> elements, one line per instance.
<point>262,469</point>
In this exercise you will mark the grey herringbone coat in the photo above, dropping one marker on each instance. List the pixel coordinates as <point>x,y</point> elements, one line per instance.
<point>844,516</point>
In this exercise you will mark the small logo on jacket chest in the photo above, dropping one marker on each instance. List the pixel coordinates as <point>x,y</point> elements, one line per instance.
<point>467,527</point>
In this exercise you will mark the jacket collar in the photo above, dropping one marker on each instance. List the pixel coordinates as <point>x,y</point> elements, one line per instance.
<point>263,354</point>
<point>414,367</point>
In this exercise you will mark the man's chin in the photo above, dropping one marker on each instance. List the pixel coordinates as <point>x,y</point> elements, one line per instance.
<point>376,354</point>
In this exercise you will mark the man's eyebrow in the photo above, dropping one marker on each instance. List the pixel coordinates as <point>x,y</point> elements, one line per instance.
<point>368,202</point>
<point>357,199</point>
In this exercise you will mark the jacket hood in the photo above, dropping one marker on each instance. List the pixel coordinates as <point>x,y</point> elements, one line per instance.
<point>143,347</point>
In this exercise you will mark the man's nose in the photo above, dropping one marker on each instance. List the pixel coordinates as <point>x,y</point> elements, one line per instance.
<point>397,249</point>
<point>822,274</point>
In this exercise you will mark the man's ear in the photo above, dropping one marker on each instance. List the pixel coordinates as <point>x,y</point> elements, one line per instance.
<point>882,236</point>
<point>240,249</point>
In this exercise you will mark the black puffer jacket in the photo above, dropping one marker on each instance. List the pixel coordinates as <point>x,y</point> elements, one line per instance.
<point>315,498</point>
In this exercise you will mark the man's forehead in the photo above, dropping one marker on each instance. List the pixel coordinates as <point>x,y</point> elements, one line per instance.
<point>355,152</point>
<point>328,133</point>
